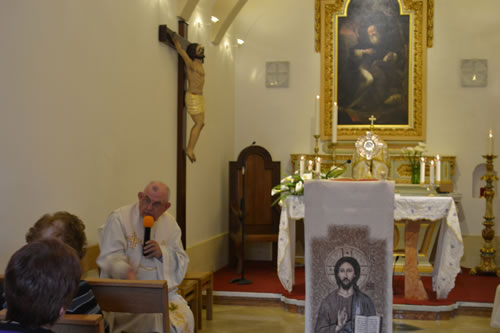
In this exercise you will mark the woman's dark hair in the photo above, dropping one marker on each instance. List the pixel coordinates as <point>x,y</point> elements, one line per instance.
<point>40,279</point>
<point>62,225</point>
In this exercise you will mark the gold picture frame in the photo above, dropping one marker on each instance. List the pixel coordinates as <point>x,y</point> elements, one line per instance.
<point>399,105</point>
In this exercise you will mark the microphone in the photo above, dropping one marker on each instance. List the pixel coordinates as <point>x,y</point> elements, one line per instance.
<point>148,222</point>
<point>329,173</point>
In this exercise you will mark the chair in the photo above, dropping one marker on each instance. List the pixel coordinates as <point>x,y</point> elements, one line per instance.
<point>261,219</point>
<point>205,281</point>
<point>133,296</point>
<point>188,289</point>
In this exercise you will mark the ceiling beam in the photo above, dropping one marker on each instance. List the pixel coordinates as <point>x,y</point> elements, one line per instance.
<point>221,29</point>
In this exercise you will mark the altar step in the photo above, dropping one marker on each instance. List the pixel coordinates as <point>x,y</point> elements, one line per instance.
<point>472,295</point>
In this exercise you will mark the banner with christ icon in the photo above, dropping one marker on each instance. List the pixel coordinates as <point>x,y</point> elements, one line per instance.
<point>348,246</point>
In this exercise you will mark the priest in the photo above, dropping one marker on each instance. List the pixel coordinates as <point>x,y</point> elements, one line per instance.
<point>162,257</point>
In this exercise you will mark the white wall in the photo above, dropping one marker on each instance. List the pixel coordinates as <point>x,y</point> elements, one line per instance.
<point>88,106</point>
<point>458,118</point>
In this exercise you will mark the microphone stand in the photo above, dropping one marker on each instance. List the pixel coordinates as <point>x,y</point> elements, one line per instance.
<point>241,280</point>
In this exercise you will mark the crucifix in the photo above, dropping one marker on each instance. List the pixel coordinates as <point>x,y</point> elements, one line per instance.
<point>166,35</point>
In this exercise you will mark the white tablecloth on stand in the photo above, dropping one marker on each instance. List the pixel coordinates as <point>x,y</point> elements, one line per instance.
<point>449,250</point>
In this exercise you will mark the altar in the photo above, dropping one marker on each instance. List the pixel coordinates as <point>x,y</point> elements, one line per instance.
<point>407,209</point>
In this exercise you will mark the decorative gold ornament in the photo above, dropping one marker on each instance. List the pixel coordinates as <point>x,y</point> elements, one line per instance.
<point>487,264</point>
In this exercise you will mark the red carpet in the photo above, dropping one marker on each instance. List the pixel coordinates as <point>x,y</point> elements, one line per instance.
<point>264,276</point>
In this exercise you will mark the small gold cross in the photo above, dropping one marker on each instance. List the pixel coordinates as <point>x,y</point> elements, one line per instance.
<point>372,120</point>
<point>133,240</point>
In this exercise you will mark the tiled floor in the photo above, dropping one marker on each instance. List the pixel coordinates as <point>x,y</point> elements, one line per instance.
<point>238,319</point>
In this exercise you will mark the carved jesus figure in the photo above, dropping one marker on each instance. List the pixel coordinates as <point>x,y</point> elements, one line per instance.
<point>195,103</point>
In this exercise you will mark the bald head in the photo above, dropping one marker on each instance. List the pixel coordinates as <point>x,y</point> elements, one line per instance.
<point>155,199</point>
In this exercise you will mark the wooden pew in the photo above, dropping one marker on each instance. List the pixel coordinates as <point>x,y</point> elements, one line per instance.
<point>89,261</point>
<point>74,323</point>
<point>80,323</point>
<point>133,296</point>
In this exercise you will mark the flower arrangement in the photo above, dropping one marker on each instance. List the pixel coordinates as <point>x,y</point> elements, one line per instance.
<point>294,184</point>
<point>414,153</point>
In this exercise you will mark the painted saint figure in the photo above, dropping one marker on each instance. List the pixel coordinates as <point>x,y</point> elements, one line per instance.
<point>195,103</point>
<point>339,309</point>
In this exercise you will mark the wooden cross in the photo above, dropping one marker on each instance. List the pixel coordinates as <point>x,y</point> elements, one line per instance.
<point>372,120</point>
<point>165,36</point>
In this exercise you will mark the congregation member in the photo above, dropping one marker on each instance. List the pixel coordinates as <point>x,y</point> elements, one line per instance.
<point>69,229</point>
<point>123,256</point>
<point>40,281</point>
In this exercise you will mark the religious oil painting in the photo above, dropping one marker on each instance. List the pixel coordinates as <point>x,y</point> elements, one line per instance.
<point>372,58</point>
<point>350,279</point>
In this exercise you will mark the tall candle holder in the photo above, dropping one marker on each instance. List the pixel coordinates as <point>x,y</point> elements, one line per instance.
<point>334,153</point>
<point>487,264</point>
<point>316,145</point>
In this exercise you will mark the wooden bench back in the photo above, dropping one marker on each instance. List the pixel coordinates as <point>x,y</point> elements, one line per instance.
<point>133,296</point>
<point>74,323</point>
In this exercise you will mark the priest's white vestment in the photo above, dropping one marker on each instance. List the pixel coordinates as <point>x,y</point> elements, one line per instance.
<point>121,246</point>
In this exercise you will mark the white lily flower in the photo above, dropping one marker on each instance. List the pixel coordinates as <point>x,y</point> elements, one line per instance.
<point>283,188</point>
<point>298,187</point>
<point>410,150</point>
<point>273,192</point>
<point>307,176</point>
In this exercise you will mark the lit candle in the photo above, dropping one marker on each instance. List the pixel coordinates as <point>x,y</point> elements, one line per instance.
<point>431,172</point>
<point>438,169</point>
<point>317,115</point>
<point>334,122</point>
<point>318,165</point>
<point>490,143</point>
<point>302,165</point>
<point>310,167</point>
<point>422,170</point>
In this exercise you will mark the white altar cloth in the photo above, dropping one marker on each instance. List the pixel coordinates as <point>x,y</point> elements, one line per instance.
<point>450,247</point>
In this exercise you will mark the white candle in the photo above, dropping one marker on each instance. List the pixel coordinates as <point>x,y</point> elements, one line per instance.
<point>310,166</point>
<point>422,170</point>
<point>317,115</point>
<point>334,122</point>
<point>318,165</point>
<point>431,172</point>
<point>438,169</point>
<point>490,143</point>
<point>302,165</point>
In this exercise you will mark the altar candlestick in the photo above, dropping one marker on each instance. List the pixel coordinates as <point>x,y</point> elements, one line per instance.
<point>302,165</point>
<point>438,169</point>
<point>490,143</point>
<point>318,165</point>
<point>317,115</point>
<point>334,122</point>
<point>422,170</point>
<point>310,166</point>
<point>431,172</point>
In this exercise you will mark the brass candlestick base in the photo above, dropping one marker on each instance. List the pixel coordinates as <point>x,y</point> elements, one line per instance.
<point>334,153</point>
<point>487,264</point>
<point>316,145</point>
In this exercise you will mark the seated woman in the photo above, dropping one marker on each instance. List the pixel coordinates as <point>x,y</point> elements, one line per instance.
<point>71,230</point>
<point>40,280</point>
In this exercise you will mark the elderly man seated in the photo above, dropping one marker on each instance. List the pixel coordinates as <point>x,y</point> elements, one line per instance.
<point>162,257</point>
